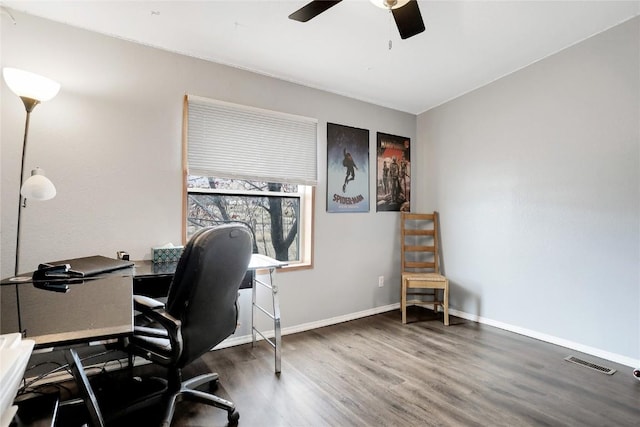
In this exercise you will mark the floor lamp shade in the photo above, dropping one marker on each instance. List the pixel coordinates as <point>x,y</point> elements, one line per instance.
<point>26,84</point>
<point>38,186</point>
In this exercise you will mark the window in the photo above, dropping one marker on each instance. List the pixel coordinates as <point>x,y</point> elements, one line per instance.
<point>253,166</point>
<point>277,213</point>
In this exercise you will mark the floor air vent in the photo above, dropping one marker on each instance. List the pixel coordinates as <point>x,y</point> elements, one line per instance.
<point>590,365</point>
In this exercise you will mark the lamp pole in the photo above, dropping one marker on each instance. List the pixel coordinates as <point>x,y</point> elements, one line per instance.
<point>32,89</point>
<point>29,105</point>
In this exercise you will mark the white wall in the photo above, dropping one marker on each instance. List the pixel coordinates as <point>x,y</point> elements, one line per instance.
<point>111,142</point>
<point>537,180</point>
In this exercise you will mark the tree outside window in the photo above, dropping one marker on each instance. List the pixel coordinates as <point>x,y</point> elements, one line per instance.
<point>272,210</point>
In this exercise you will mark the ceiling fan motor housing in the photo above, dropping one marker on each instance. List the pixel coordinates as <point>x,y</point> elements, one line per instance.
<point>389,4</point>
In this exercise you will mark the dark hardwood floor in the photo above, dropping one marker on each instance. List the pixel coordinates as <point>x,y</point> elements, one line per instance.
<point>377,372</point>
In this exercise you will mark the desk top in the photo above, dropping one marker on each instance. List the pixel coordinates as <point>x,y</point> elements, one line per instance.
<point>260,262</point>
<point>87,309</point>
<point>148,268</point>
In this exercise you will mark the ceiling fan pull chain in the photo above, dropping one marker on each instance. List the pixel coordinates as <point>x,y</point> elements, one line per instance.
<point>390,29</point>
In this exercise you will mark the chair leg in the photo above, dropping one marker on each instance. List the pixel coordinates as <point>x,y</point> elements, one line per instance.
<point>208,399</point>
<point>171,407</point>
<point>445,306</point>
<point>403,301</point>
<point>196,382</point>
<point>131,359</point>
<point>187,392</point>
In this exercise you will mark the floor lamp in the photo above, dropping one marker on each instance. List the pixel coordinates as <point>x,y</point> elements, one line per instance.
<point>32,89</point>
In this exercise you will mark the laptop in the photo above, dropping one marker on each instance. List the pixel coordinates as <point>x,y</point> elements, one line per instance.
<point>92,265</point>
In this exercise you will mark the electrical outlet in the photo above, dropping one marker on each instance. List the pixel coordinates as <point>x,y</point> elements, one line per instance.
<point>380,281</point>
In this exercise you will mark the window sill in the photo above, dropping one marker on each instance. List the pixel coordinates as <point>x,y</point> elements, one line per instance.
<point>296,267</point>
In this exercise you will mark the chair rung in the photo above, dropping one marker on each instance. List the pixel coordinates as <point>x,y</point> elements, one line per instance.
<point>418,232</point>
<point>421,302</point>
<point>416,300</point>
<point>412,248</point>
<point>415,264</point>
<point>419,216</point>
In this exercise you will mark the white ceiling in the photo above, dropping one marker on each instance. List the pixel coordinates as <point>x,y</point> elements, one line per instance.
<point>345,50</point>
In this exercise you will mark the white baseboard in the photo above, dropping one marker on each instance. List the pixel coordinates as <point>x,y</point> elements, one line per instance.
<point>245,339</point>
<point>614,357</point>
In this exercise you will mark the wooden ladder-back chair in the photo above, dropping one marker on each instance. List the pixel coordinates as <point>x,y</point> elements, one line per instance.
<point>421,278</point>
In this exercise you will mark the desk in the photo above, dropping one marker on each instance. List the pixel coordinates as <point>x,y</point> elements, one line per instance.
<point>99,308</point>
<point>154,279</point>
<point>91,309</point>
<point>88,309</point>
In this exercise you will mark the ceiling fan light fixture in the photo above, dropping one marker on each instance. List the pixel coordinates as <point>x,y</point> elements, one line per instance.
<point>389,4</point>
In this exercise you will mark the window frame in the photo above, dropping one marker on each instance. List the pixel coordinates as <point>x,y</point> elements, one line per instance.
<point>307,203</point>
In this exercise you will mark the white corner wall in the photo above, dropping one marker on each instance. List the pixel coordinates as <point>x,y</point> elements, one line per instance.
<point>537,180</point>
<point>111,142</point>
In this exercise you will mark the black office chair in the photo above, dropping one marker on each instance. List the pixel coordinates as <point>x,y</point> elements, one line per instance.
<point>200,312</point>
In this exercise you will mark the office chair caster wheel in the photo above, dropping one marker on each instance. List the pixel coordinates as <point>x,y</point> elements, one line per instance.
<point>233,418</point>
<point>213,386</point>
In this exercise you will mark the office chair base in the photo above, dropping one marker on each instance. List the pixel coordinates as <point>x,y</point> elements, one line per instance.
<point>188,392</point>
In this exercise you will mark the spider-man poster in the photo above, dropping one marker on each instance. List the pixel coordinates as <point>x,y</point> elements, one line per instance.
<point>393,173</point>
<point>347,169</point>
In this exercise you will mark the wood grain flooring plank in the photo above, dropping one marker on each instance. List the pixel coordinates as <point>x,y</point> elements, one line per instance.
<point>376,371</point>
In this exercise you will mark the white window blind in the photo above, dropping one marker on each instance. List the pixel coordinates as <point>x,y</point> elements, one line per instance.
<point>235,141</point>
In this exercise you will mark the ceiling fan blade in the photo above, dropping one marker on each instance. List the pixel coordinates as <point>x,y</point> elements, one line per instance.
<point>313,9</point>
<point>408,19</point>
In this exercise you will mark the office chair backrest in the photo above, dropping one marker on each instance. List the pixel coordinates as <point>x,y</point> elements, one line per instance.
<point>203,222</point>
<point>205,286</point>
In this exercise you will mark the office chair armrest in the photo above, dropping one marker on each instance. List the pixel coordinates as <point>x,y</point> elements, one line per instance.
<point>170,324</point>
<point>145,331</point>
<point>167,321</point>
<point>154,311</point>
<point>144,304</point>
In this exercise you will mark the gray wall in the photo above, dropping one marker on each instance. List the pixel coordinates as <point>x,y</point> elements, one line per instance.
<point>111,143</point>
<point>536,177</point>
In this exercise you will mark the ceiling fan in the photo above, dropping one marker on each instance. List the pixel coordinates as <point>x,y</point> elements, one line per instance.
<point>405,12</point>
